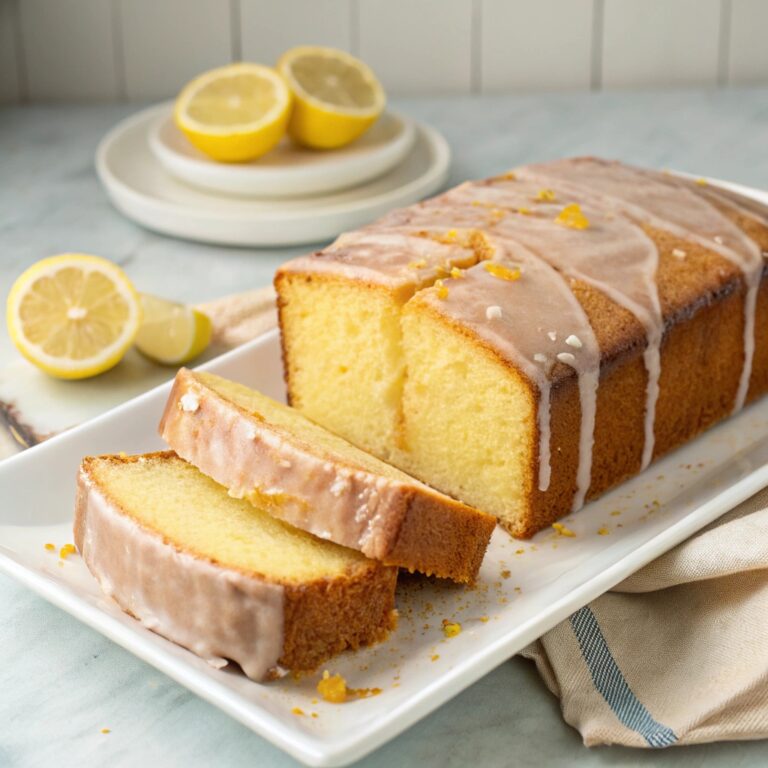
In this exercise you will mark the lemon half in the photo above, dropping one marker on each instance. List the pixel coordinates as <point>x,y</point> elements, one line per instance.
<point>73,315</point>
<point>336,96</point>
<point>235,113</point>
<point>171,333</point>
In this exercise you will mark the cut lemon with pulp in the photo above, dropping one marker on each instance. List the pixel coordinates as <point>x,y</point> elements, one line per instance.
<point>73,315</point>
<point>336,97</point>
<point>171,333</point>
<point>235,113</point>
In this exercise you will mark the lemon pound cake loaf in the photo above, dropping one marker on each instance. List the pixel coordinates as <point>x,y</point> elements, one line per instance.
<point>528,341</point>
<point>219,576</point>
<point>275,457</point>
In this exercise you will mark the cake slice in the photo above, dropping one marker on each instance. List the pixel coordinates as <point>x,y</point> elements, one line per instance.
<point>281,461</point>
<point>220,576</point>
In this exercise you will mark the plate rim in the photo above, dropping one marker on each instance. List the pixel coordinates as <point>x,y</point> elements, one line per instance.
<point>170,159</point>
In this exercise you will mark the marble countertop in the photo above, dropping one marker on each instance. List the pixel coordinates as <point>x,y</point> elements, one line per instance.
<point>61,682</point>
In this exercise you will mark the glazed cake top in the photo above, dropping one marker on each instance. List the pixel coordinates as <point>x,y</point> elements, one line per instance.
<point>570,264</point>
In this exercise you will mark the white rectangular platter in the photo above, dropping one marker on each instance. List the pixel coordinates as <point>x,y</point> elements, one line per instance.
<point>525,588</point>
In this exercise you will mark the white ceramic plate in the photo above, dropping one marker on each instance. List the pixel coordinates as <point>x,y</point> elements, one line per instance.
<point>288,170</point>
<point>140,187</point>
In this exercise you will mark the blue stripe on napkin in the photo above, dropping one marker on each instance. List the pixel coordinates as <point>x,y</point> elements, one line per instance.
<point>611,684</point>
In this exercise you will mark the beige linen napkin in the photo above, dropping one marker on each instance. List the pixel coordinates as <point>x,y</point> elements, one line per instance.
<point>242,316</point>
<point>677,653</point>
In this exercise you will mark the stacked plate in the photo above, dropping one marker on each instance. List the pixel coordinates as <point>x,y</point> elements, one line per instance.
<point>291,196</point>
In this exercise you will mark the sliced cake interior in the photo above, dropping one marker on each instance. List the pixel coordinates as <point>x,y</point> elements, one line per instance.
<point>220,576</point>
<point>352,381</point>
<point>478,442</point>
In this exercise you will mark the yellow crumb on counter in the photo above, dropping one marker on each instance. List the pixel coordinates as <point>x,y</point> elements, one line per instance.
<point>67,550</point>
<point>563,531</point>
<point>50,547</point>
<point>106,730</point>
<point>603,531</point>
<point>297,711</point>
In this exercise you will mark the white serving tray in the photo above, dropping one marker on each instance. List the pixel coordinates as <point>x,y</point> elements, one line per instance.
<point>525,588</point>
<point>552,577</point>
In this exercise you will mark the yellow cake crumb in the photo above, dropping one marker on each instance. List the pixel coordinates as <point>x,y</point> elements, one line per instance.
<point>442,291</point>
<point>571,216</point>
<point>519,551</point>
<point>50,547</point>
<point>702,182</point>
<point>523,211</point>
<point>451,628</point>
<point>547,195</point>
<point>506,574</point>
<point>602,531</point>
<point>500,271</point>
<point>67,550</point>
<point>332,688</point>
<point>434,657</point>
<point>615,513</point>
<point>106,730</point>
<point>484,619</point>
<point>315,715</point>
<point>562,530</point>
<point>297,711</point>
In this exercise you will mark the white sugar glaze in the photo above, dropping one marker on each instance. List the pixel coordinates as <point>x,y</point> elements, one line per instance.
<point>517,214</point>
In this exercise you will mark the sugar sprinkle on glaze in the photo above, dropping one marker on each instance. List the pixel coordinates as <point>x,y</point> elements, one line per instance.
<point>574,341</point>
<point>189,402</point>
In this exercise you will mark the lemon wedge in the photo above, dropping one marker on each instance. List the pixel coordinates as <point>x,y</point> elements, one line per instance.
<point>336,97</point>
<point>235,113</point>
<point>171,333</point>
<point>73,315</point>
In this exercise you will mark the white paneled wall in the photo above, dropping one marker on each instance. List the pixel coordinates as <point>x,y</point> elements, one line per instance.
<point>164,43</point>
<point>658,42</point>
<point>543,44</point>
<point>69,49</point>
<point>269,27</point>
<point>748,42</point>
<point>146,49</point>
<point>9,54</point>
<point>418,46</point>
